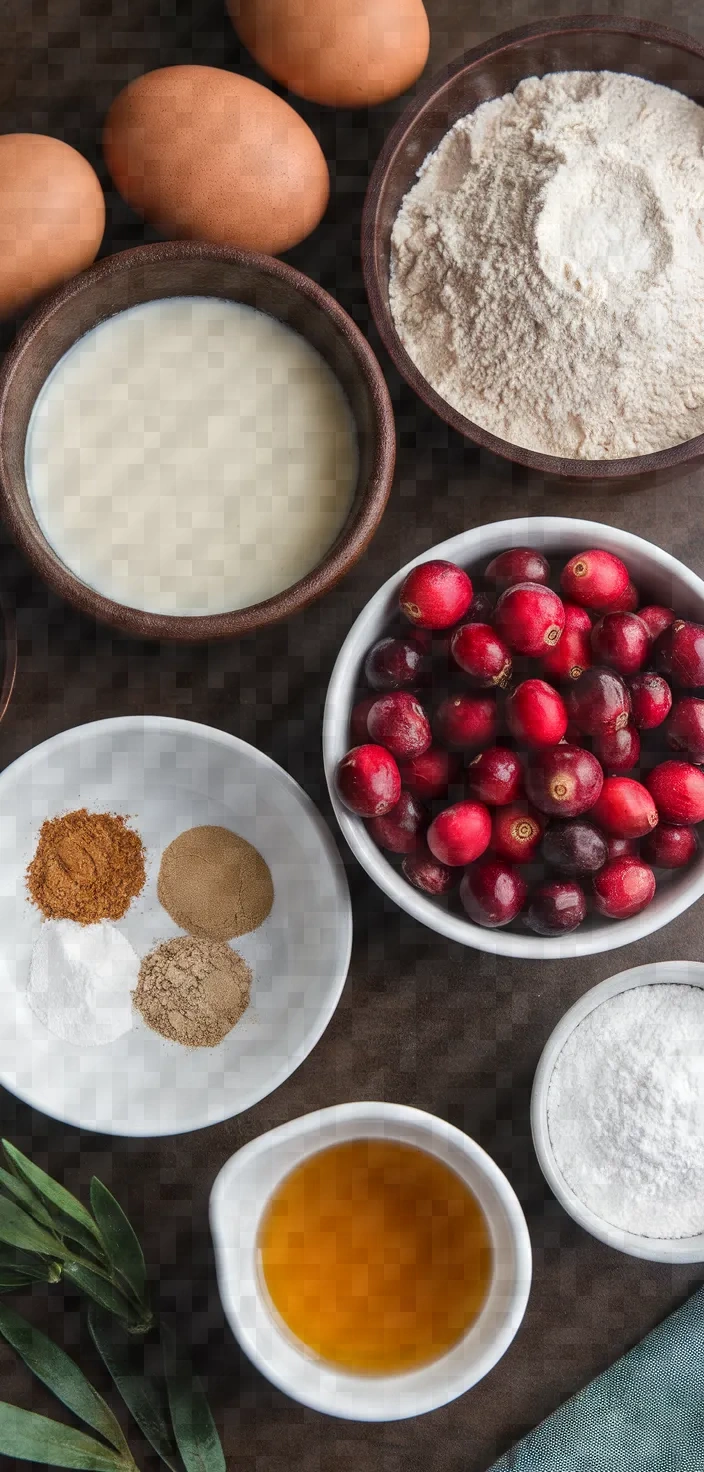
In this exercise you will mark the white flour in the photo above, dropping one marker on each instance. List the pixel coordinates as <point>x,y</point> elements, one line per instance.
<point>547,272</point>
<point>626,1111</point>
<point>81,980</point>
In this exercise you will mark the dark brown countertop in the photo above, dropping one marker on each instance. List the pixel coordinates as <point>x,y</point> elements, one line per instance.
<point>421,1021</point>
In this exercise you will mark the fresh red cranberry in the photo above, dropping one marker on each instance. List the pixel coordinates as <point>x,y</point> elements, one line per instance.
<point>618,848</point>
<point>622,641</point>
<point>625,808</point>
<point>536,714</point>
<point>651,699</point>
<point>430,774</point>
<point>572,654</point>
<point>530,618</point>
<point>425,872</point>
<point>670,847</point>
<point>618,751</point>
<point>398,722</point>
<point>435,594</point>
<point>679,653</point>
<point>478,650</point>
<point>495,776</point>
<point>517,565</point>
<point>466,722</point>
<point>677,789</point>
<point>492,893</point>
<point>359,730</point>
<point>685,728</point>
<point>656,618</point>
<point>623,888</point>
<point>480,609</point>
<point>368,781</point>
<point>595,579</point>
<point>393,663</point>
<point>564,781</point>
<point>556,908</point>
<point>460,833</point>
<point>598,701</point>
<point>629,602</point>
<point>574,847</point>
<point>516,832</point>
<point>402,831</point>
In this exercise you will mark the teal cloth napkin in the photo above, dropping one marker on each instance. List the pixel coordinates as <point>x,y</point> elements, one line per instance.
<point>644,1414</point>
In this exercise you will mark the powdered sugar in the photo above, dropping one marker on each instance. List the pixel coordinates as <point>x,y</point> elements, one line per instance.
<point>547,272</point>
<point>625,1111</point>
<point>81,980</point>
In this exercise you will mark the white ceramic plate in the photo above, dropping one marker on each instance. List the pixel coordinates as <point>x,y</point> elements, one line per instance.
<point>167,775</point>
<point>663,578</point>
<point>654,1249</point>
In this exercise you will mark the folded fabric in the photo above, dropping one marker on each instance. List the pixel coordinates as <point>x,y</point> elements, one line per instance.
<point>644,1414</point>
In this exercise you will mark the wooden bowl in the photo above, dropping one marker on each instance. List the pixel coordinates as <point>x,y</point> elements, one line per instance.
<point>194,269</point>
<point>580,43</point>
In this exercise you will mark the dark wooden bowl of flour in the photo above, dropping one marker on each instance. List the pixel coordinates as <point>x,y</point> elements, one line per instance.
<point>581,43</point>
<point>186,268</point>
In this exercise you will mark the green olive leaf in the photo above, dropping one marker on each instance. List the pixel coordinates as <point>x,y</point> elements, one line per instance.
<point>51,1191</point>
<point>61,1375</point>
<point>26,1198</point>
<point>119,1237</point>
<point>33,1438</point>
<point>194,1428</point>
<point>143,1394</point>
<point>102,1291</point>
<point>19,1230</point>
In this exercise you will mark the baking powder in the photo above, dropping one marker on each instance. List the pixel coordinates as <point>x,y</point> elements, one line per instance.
<point>547,272</point>
<point>81,980</point>
<point>625,1110</point>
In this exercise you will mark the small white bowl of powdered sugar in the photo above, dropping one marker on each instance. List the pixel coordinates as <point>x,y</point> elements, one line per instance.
<point>617,1111</point>
<point>533,249</point>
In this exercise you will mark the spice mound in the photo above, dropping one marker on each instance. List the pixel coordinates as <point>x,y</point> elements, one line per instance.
<point>215,884</point>
<point>81,980</point>
<point>193,991</point>
<point>625,1110</point>
<point>87,867</point>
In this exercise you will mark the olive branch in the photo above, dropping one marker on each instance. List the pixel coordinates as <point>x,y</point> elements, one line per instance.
<point>47,1235</point>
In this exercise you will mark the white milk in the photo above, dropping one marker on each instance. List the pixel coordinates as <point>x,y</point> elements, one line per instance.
<point>191,456</point>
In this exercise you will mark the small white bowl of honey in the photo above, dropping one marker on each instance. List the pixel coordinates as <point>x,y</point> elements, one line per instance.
<point>373,1261</point>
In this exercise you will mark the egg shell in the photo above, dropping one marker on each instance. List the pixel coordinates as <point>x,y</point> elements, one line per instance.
<point>204,154</point>
<point>351,53</point>
<point>52,216</point>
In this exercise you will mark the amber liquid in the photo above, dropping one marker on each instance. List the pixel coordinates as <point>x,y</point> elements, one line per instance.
<point>375,1255</point>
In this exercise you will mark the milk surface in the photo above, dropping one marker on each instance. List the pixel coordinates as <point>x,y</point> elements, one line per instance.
<point>191,456</point>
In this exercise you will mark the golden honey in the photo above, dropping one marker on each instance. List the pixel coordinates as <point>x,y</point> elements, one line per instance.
<point>375,1255</point>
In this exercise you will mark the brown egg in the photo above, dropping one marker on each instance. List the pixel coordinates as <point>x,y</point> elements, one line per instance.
<point>208,155</point>
<point>348,53</point>
<point>52,216</point>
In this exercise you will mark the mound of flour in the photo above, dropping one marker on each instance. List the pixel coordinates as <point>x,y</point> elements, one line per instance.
<point>547,272</point>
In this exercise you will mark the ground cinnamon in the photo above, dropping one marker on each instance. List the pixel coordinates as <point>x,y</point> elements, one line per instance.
<point>87,867</point>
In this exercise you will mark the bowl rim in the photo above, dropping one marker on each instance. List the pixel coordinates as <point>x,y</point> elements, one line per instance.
<point>371,232</point>
<point>432,1134</point>
<point>651,1249</point>
<point>10,652</point>
<point>519,531</point>
<point>310,814</point>
<point>341,557</point>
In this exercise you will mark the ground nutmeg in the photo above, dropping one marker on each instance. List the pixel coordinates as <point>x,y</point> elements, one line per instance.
<point>87,867</point>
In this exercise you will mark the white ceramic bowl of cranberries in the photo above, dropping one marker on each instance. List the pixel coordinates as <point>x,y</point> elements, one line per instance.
<point>580,866</point>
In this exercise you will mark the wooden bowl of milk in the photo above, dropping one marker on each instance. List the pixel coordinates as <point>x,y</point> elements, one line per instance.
<point>195,441</point>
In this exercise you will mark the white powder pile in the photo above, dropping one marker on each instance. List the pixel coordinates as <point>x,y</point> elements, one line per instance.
<point>626,1111</point>
<point>81,979</point>
<point>547,272</point>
